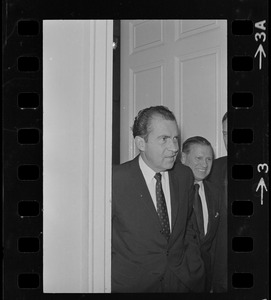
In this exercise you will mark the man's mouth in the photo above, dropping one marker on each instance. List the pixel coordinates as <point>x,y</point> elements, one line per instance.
<point>171,157</point>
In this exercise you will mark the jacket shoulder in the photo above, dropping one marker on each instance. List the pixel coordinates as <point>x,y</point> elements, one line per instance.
<point>219,170</point>
<point>122,169</point>
<point>126,170</point>
<point>181,167</point>
<point>220,162</point>
<point>182,171</point>
<point>213,186</point>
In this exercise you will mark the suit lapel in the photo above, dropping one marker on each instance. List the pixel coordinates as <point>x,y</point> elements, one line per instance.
<point>174,198</point>
<point>212,209</point>
<point>142,191</point>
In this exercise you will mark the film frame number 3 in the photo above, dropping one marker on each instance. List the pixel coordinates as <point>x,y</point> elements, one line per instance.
<point>261,185</point>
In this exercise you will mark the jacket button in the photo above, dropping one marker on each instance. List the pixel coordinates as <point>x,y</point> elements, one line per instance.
<point>167,253</point>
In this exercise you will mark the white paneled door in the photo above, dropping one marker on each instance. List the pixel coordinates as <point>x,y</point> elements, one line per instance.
<point>181,64</point>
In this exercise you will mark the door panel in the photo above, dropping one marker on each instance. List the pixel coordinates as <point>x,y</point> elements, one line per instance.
<point>181,64</point>
<point>190,27</point>
<point>198,80</point>
<point>147,84</point>
<point>145,35</point>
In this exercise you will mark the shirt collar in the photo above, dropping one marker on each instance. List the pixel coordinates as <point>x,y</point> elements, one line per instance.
<point>148,173</point>
<point>200,183</point>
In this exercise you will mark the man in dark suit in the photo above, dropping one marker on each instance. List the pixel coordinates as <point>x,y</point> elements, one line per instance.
<point>219,176</point>
<point>197,153</point>
<point>218,173</point>
<point>154,245</point>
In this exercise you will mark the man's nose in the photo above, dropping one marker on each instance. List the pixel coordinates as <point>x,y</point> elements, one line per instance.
<point>204,163</point>
<point>173,145</point>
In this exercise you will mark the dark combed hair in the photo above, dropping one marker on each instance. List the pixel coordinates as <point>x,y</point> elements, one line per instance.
<point>225,117</point>
<point>143,119</point>
<point>195,140</point>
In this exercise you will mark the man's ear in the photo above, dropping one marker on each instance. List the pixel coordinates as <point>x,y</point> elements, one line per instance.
<point>140,143</point>
<point>183,157</point>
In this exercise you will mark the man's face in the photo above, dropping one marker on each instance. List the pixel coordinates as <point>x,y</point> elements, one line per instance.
<point>162,147</point>
<point>199,159</point>
<point>225,133</point>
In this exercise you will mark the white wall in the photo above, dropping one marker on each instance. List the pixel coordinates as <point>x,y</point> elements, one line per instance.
<point>77,106</point>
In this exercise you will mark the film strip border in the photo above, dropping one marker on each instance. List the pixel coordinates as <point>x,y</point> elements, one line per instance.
<point>22,136</point>
<point>248,165</point>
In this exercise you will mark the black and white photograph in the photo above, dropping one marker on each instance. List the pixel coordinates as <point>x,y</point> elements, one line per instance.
<point>135,149</point>
<point>135,120</point>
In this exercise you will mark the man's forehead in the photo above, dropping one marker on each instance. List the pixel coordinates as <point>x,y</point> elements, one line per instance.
<point>201,147</point>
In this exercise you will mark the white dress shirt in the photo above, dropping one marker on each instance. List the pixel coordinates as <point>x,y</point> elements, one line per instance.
<point>204,205</point>
<point>148,174</point>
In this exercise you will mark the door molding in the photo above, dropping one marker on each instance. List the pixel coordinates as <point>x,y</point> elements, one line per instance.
<point>77,155</point>
<point>100,152</point>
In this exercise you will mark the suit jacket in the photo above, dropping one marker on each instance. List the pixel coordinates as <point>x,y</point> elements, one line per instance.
<point>142,259</point>
<point>208,243</point>
<point>218,175</point>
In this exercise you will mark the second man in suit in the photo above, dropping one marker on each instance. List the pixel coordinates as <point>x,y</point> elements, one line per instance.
<point>219,176</point>
<point>197,153</point>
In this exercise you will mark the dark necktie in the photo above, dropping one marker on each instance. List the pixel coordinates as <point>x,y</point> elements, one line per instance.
<point>198,211</point>
<point>161,206</point>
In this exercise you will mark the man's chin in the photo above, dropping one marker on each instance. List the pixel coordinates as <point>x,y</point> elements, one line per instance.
<point>170,165</point>
<point>200,178</point>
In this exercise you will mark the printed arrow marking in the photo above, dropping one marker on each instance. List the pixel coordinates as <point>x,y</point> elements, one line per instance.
<point>261,185</point>
<point>261,52</point>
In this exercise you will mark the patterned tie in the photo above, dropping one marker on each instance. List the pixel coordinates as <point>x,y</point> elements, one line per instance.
<point>198,211</point>
<point>161,206</point>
